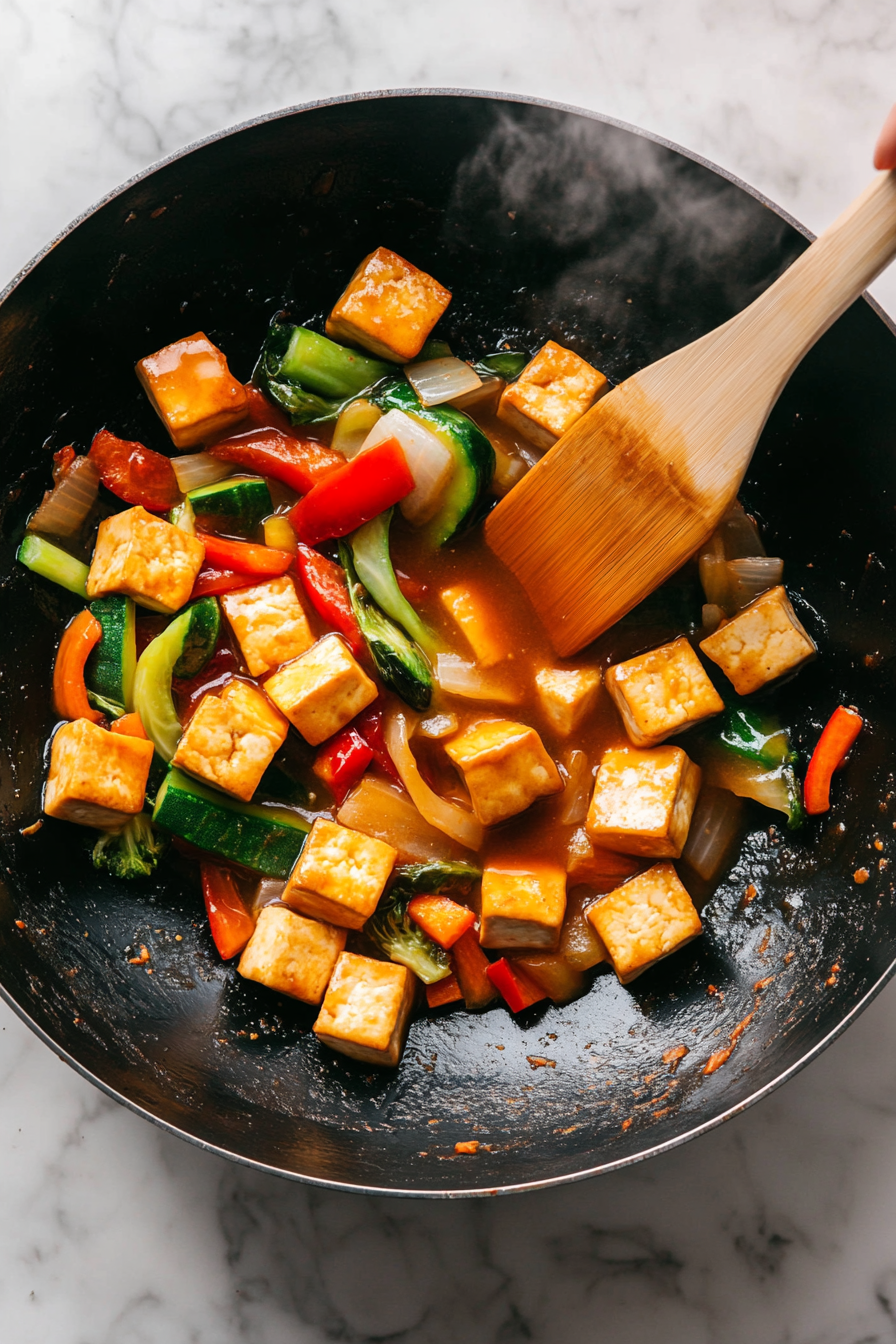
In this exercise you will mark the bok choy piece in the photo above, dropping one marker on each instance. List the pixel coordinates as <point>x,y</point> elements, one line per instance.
<point>750,754</point>
<point>310,376</point>
<point>506,364</point>
<point>402,666</point>
<point>373,564</point>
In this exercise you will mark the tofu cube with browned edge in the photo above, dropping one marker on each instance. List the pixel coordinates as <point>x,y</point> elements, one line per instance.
<point>522,906</point>
<point>760,643</point>
<point>340,875</point>
<point>366,1009</point>
<point>646,919</point>
<point>232,739</point>
<point>193,391</point>
<point>643,801</point>
<point>505,767</point>
<point>552,392</point>
<point>389,307</point>
<point>269,623</point>
<point>96,778</point>
<point>321,690</point>
<point>567,695</point>
<point>662,692</point>
<point>292,954</point>
<point>145,558</point>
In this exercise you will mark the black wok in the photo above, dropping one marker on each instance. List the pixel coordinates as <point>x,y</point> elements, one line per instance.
<point>546,223</point>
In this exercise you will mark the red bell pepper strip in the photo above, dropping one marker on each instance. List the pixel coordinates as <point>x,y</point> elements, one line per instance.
<point>841,731</point>
<point>326,590</point>
<point>350,496</point>
<point>298,463</point>
<point>369,724</point>
<point>134,473</point>
<point>69,692</point>
<point>210,579</point>
<point>262,562</point>
<point>443,991</point>
<point>514,986</point>
<point>231,924</point>
<point>341,762</point>
<point>471,967</point>
<point>263,414</point>
<point>441,918</point>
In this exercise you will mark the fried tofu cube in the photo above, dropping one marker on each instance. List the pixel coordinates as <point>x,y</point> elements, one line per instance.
<point>366,1009</point>
<point>193,391</point>
<point>96,778</point>
<point>760,643</point>
<point>505,767</point>
<point>552,392</point>
<point>644,920</point>
<point>389,307</point>
<point>643,801</point>
<point>145,558</point>
<point>522,906</point>
<point>567,695</point>
<point>476,622</point>
<point>321,690</point>
<point>662,692</point>
<point>291,954</point>
<point>232,739</point>
<point>340,875</point>
<point>269,623</point>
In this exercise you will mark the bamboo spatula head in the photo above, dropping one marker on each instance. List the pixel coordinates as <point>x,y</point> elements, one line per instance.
<point>634,487</point>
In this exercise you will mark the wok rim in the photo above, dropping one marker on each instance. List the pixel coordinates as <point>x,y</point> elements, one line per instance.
<point>547,1182</point>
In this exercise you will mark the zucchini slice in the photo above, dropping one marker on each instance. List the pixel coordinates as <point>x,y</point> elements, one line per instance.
<point>51,562</point>
<point>464,500</point>
<point>182,649</point>
<point>266,839</point>
<point>241,500</point>
<point>112,665</point>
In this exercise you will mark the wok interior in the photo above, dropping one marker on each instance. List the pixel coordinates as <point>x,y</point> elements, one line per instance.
<point>544,223</point>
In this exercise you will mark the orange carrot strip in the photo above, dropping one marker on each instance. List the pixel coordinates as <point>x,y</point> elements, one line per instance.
<point>130,726</point>
<point>69,692</point>
<point>441,918</point>
<point>443,991</point>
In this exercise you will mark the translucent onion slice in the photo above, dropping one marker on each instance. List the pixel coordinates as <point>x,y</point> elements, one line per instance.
<point>64,508</point>
<point>775,788</point>
<point>751,576</point>
<point>430,461</point>
<point>385,812</point>
<point>438,725</point>
<point>577,794</point>
<point>457,677</point>
<point>482,400</point>
<point>439,380</point>
<point>715,828</point>
<point>455,821</point>
<point>197,469</point>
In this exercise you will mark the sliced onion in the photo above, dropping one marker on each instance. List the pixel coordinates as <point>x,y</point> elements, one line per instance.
<point>739,534</point>
<point>750,779</point>
<point>353,426</point>
<point>508,470</point>
<point>715,827</point>
<point>430,461</point>
<point>735,542</point>
<point>455,821</point>
<point>64,508</point>
<point>712,617</point>
<point>577,793</point>
<point>439,725</point>
<point>197,469</point>
<point>457,677</point>
<point>751,576</point>
<point>483,399</point>
<point>438,380</point>
<point>385,812</point>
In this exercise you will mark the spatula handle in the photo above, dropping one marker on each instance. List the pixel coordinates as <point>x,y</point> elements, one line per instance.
<point>790,316</point>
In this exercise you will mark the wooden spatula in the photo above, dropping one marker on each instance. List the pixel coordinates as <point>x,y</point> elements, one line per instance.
<point>631,491</point>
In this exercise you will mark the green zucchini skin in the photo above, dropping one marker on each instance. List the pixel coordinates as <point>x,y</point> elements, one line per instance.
<point>466,496</point>
<point>202,635</point>
<point>241,500</point>
<point>51,562</point>
<point>182,649</point>
<point>110,669</point>
<point>401,665</point>
<point>266,839</point>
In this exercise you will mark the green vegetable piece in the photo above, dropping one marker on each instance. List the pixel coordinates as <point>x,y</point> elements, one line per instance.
<point>132,852</point>
<point>51,562</point>
<point>241,500</point>
<point>279,784</point>
<point>110,669</point>
<point>435,878</point>
<point>320,365</point>
<point>393,931</point>
<point>200,638</point>
<point>750,754</point>
<point>433,349</point>
<point>402,666</point>
<point>465,498</point>
<point>757,737</point>
<point>373,564</point>
<point>507,364</point>
<point>265,839</point>
<point>182,516</point>
<point>182,649</point>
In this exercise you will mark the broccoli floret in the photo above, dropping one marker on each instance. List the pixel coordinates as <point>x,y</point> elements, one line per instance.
<point>131,852</point>
<point>396,934</point>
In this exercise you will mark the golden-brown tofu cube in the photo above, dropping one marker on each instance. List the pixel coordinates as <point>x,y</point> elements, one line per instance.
<point>645,920</point>
<point>389,307</point>
<point>269,622</point>
<point>643,801</point>
<point>96,778</point>
<point>321,690</point>
<point>292,954</point>
<point>144,558</point>
<point>662,692</point>
<point>193,391</point>
<point>340,875</point>
<point>760,643</point>
<point>567,695</point>
<point>477,623</point>
<point>522,906</point>
<point>366,1009</point>
<point>232,739</point>
<point>505,767</point>
<point>552,392</point>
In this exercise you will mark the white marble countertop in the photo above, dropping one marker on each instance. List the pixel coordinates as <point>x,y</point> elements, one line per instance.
<point>779,1227</point>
